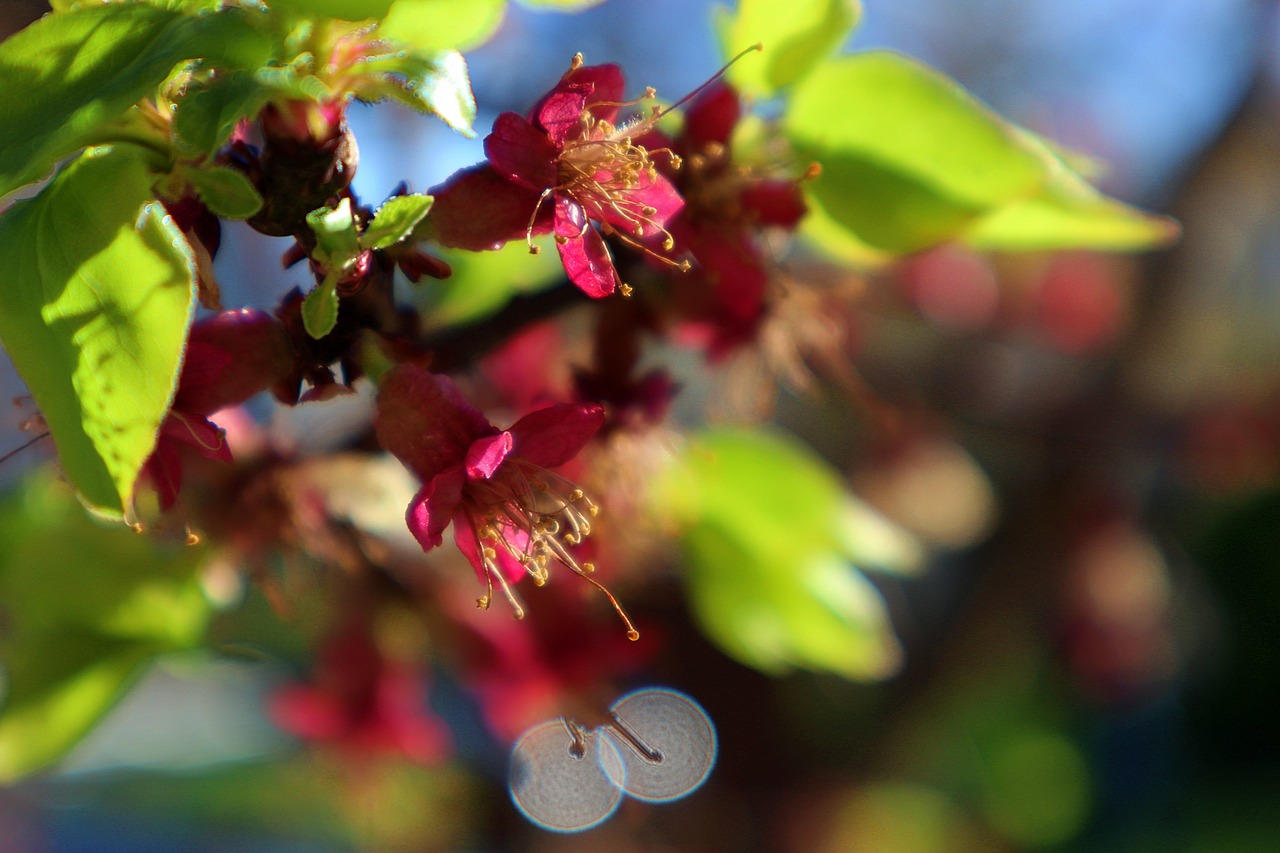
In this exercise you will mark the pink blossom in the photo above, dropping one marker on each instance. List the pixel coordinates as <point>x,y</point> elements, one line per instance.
<point>511,514</point>
<point>230,357</point>
<point>566,169</point>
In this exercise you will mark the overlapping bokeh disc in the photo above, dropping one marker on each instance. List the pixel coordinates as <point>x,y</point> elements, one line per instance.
<point>562,788</point>
<point>665,742</point>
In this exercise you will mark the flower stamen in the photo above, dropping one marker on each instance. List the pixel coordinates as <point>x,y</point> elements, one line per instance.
<point>535,517</point>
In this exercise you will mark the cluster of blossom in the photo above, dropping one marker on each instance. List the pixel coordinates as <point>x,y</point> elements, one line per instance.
<point>676,214</point>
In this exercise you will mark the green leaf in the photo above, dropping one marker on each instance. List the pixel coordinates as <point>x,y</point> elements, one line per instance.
<point>337,241</point>
<point>320,308</point>
<point>818,614</point>
<point>85,606</point>
<point>225,191</point>
<point>438,25</point>
<point>94,315</point>
<point>210,109</point>
<point>432,83</point>
<point>797,35</point>
<point>560,5</point>
<point>837,242</point>
<point>347,10</point>
<point>1069,213</point>
<point>483,282</point>
<point>395,220</point>
<point>769,535</point>
<point>70,74</point>
<point>909,159</point>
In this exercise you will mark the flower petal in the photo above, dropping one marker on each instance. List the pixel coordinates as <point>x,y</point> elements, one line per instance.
<point>582,250</point>
<point>478,209</point>
<point>230,357</point>
<point>711,118</point>
<point>652,191</point>
<point>464,536</point>
<point>552,436</point>
<point>424,421</point>
<point>776,203</point>
<point>520,152</point>
<point>486,454</point>
<point>433,506</point>
<point>595,87</point>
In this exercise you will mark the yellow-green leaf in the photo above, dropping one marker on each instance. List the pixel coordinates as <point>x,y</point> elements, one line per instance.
<point>94,313</point>
<point>910,159</point>
<point>439,25</point>
<point>773,547</point>
<point>85,606</point>
<point>797,35</point>
<point>70,73</point>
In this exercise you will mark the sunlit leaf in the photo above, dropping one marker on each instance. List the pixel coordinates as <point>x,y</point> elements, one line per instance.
<point>337,241</point>
<point>99,293</point>
<point>85,605</point>
<point>482,282</point>
<point>837,242</point>
<point>797,35</point>
<point>347,10</point>
<point>69,74</point>
<point>395,220</point>
<point>320,308</point>
<point>560,5</point>
<point>1069,213</point>
<point>431,83</point>
<point>210,109</point>
<point>439,25</point>
<point>225,191</point>
<point>770,535</point>
<point>909,159</point>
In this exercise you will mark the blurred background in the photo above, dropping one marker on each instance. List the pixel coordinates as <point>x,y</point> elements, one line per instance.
<point>1088,448</point>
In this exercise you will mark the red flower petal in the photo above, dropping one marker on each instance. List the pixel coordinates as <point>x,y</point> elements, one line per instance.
<point>486,454</point>
<point>595,87</point>
<point>519,151</point>
<point>431,508</point>
<point>164,469</point>
<point>424,421</point>
<point>656,192</point>
<point>230,357</point>
<point>734,267</point>
<point>777,203</point>
<point>478,209</point>
<point>464,536</point>
<point>552,436</point>
<point>559,113</point>
<point>711,118</point>
<point>585,257</point>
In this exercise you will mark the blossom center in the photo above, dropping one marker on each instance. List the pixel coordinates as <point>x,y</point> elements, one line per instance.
<point>533,517</point>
